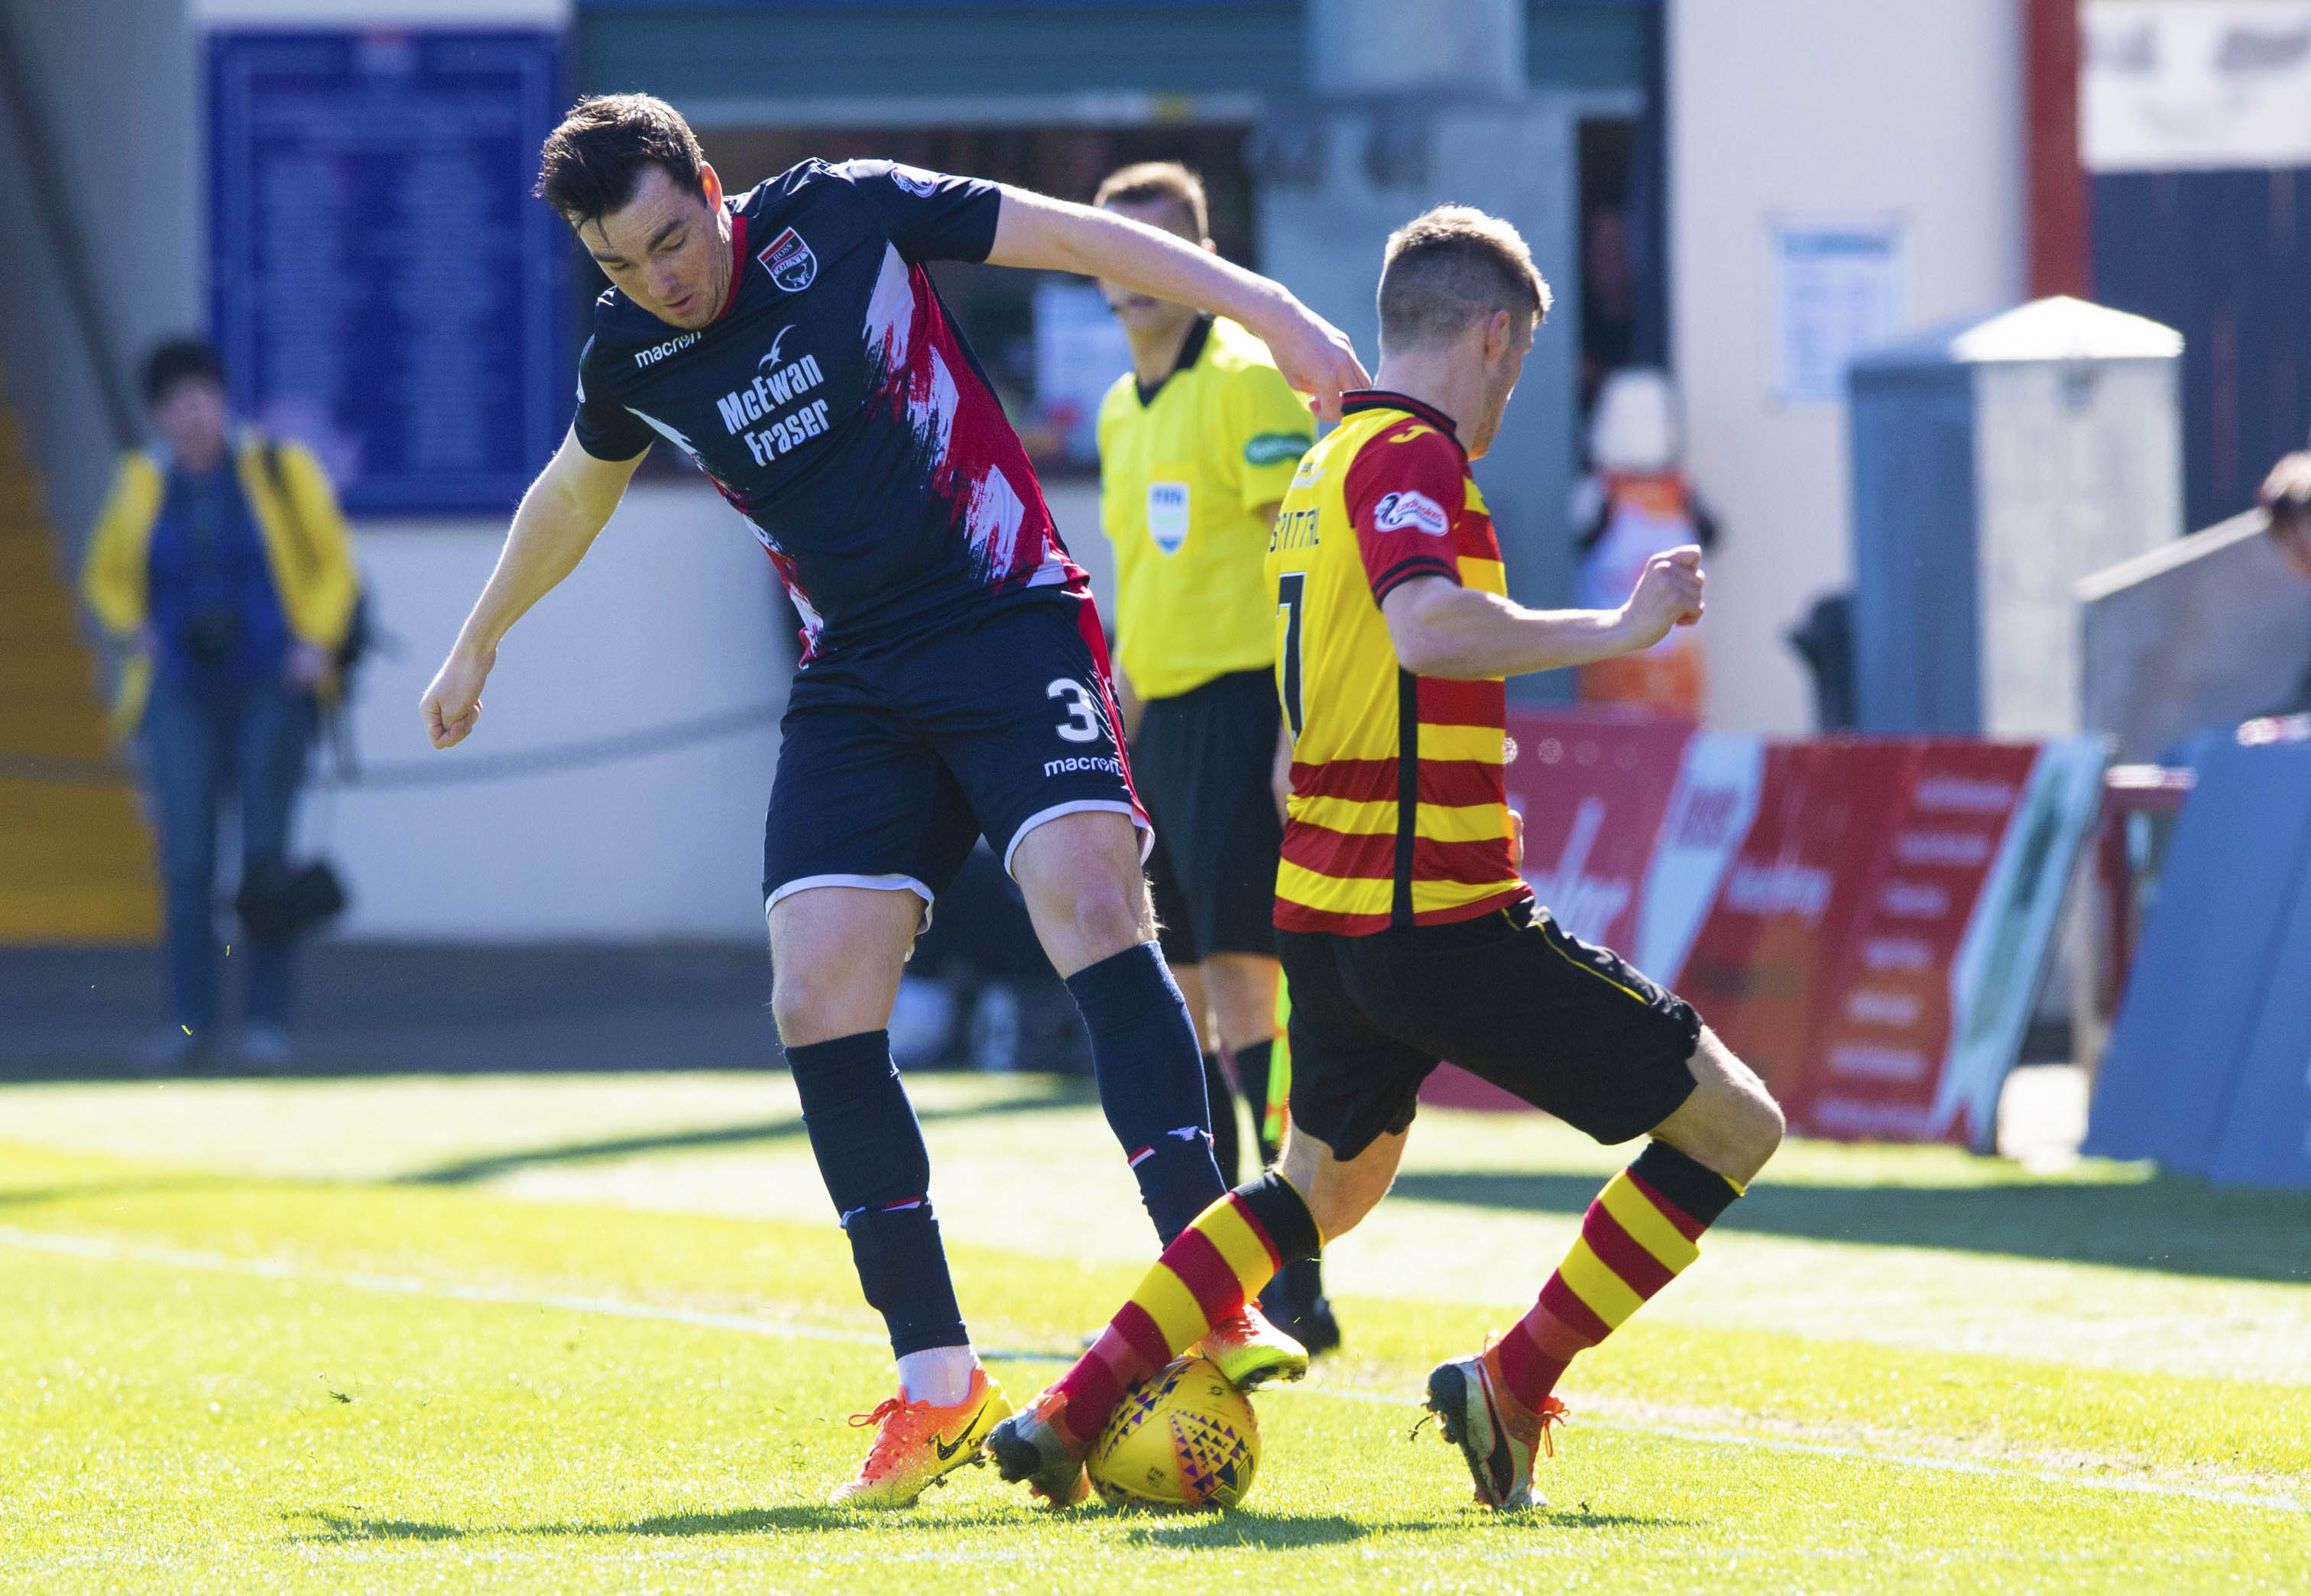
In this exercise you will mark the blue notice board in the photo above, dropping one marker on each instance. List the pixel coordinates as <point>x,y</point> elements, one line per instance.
<point>382,284</point>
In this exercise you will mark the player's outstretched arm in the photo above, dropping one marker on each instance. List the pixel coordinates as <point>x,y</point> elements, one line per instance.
<point>1048,235</point>
<point>557,523</point>
<point>1442,629</point>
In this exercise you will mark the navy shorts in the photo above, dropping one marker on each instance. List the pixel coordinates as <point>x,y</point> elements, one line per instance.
<point>895,759</point>
<point>1204,760</point>
<point>1509,997</point>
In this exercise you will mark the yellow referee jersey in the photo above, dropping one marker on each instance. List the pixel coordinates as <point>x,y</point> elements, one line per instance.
<point>1180,474</point>
<point>1399,814</point>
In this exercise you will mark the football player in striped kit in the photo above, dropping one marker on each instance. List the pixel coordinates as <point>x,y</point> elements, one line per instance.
<point>1405,932</point>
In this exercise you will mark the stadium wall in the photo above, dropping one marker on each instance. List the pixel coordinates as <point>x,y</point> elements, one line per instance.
<point>1902,112</point>
<point>114,82</point>
<point>670,620</point>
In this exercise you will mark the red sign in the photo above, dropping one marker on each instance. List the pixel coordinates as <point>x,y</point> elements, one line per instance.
<point>1593,790</point>
<point>1861,920</point>
<point>1782,910</point>
<point>1883,1015</point>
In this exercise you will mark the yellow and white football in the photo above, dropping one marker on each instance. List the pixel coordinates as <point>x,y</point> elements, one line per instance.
<point>1185,1439</point>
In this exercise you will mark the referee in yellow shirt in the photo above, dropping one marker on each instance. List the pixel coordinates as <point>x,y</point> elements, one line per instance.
<point>1197,445</point>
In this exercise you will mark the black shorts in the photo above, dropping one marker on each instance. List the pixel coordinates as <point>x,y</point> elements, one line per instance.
<point>894,761</point>
<point>1202,761</point>
<point>1568,1028</point>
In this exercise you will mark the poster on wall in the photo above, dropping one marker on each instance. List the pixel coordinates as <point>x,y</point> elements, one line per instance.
<point>382,284</point>
<point>1838,291</point>
<point>2181,86</point>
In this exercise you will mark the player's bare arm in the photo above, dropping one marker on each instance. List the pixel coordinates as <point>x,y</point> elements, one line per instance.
<point>1051,235</point>
<point>1443,629</point>
<point>557,522</point>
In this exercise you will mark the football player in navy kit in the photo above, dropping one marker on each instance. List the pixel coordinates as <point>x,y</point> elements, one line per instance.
<point>955,679</point>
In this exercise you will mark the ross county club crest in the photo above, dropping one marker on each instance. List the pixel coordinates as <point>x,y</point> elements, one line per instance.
<point>789,262</point>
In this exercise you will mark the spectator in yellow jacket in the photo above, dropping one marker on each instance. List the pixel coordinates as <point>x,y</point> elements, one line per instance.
<point>222,563</point>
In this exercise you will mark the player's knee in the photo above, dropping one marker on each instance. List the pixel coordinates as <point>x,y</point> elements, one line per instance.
<point>1739,1129</point>
<point>809,1001</point>
<point>1338,1210</point>
<point>1756,1125</point>
<point>1338,1195</point>
<point>1110,915</point>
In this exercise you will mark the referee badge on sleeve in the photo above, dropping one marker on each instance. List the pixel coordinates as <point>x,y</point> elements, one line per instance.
<point>1168,514</point>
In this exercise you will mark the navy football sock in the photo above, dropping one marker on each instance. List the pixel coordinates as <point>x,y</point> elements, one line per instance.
<point>1227,1139</point>
<point>871,1153</point>
<point>1143,1049</point>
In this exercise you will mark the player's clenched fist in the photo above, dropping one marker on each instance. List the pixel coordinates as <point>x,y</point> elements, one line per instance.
<point>1668,594</point>
<point>454,702</point>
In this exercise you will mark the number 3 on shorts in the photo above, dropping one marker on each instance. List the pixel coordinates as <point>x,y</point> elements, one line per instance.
<point>1083,722</point>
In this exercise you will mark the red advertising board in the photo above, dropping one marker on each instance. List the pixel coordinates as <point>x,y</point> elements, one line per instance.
<point>1772,939</point>
<point>1884,1015</point>
<point>1863,920</point>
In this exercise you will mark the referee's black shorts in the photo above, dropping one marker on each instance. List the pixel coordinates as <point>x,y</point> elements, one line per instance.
<point>1568,1028</point>
<point>1201,764</point>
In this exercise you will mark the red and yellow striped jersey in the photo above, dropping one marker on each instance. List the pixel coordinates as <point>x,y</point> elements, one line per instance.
<point>1399,814</point>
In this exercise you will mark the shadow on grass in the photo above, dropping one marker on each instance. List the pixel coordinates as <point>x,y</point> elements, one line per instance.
<point>178,1185</point>
<point>1066,1094</point>
<point>2169,1223</point>
<point>325,1527</point>
<point>1279,1531</point>
<point>1177,1532</point>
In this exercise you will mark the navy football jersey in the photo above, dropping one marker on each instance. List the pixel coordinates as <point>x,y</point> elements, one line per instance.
<point>835,403</point>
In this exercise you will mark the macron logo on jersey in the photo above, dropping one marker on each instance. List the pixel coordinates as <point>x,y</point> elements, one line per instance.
<point>789,262</point>
<point>1396,511</point>
<point>916,181</point>
<point>647,358</point>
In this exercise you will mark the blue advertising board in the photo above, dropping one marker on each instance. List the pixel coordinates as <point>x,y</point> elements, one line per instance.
<point>382,285</point>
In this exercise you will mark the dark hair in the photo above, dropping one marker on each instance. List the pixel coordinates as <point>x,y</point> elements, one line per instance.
<point>178,361</point>
<point>2286,493</point>
<point>1147,181</point>
<point>590,165</point>
<point>1448,267</point>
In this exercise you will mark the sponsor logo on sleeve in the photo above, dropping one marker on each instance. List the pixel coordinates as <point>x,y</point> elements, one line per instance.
<point>916,181</point>
<point>1413,508</point>
<point>789,262</point>
<point>1274,448</point>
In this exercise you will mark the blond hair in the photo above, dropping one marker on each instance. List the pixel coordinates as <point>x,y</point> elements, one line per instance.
<point>1145,182</point>
<point>1449,266</point>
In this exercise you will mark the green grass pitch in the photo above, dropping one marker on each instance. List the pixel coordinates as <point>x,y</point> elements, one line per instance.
<point>601,1333</point>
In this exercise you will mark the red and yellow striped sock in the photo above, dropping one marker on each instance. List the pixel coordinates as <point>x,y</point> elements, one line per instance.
<point>1639,1234</point>
<point>1217,1263</point>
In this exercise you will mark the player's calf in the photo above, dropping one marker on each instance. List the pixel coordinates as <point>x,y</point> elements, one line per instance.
<point>1643,1230</point>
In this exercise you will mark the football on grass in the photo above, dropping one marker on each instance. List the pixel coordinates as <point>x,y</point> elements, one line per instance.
<point>1185,1439</point>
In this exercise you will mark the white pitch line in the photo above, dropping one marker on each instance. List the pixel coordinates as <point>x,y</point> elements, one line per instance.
<point>82,1246</point>
<point>97,1248</point>
<point>1906,1459</point>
